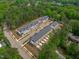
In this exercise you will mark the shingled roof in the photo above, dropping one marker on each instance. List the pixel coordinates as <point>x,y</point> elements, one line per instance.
<point>33,24</point>
<point>42,32</point>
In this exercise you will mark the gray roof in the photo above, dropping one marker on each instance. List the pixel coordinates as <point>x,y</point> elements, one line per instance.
<point>31,25</point>
<point>41,33</point>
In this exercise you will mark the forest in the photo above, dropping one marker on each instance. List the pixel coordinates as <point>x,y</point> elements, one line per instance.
<point>16,12</point>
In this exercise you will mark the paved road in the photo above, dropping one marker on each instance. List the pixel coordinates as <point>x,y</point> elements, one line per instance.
<point>60,55</point>
<point>17,45</point>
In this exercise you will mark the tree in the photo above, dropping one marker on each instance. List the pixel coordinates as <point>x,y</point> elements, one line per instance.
<point>9,53</point>
<point>68,57</point>
<point>75,27</point>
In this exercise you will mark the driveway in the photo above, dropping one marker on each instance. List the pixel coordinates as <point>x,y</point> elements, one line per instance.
<point>16,44</point>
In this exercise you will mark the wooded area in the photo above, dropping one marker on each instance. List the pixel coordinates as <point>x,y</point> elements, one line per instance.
<point>17,12</point>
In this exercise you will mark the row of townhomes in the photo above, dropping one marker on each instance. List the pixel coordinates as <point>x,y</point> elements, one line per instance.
<point>34,35</point>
